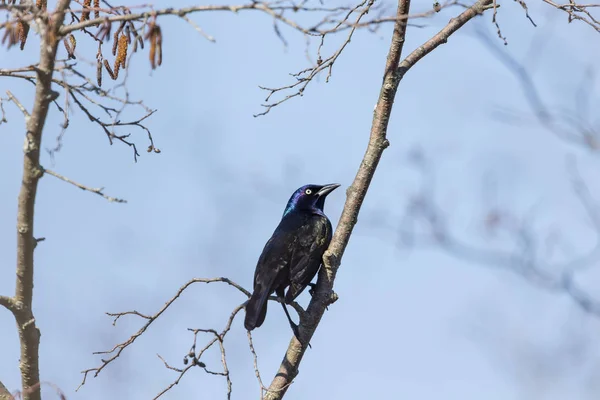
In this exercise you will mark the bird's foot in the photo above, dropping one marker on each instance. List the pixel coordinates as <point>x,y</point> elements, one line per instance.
<point>297,334</point>
<point>333,297</point>
<point>313,288</point>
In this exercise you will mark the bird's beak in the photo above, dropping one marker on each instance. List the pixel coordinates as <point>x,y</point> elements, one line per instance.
<point>325,190</point>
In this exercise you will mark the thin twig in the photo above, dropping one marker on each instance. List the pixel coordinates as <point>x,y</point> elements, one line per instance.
<point>196,358</point>
<point>256,371</point>
<point>578,12</point>
<point>98,191</point>
<point>197,28</point>
<point>306,76</point>
<point>12,98</point>
<point>116,351</point>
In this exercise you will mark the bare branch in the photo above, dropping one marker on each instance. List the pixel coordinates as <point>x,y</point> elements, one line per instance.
<point>197,28</point>
<point>495,22</point>
<point>29,334</point>
<point>4,393</point>
<point>263,389</point>
<point>8,303</point>
<point>89,98</point>
<point>272,9</point>
<point>116,351</point>
<point>442,36</point>
<point>526,9</point>
<point>304,77</point>
<point>578,12</point>
<point>357,191</point>
<point>321,30</point>
<point>195,358</point>
<point>24,394</point>
<point>18,103</point>
<point>98,191</point>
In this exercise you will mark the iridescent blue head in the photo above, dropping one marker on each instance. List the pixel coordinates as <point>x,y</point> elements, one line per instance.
<point>309,198</point>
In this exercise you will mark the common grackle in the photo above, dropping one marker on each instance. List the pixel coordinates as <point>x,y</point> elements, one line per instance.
<point>292,256</point>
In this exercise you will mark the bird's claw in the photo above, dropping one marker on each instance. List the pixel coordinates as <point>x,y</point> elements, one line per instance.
<point>297,334</point>
<point>313,290</point>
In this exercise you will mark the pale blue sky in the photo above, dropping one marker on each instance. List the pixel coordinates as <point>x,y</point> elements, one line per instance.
<point>415,324</point>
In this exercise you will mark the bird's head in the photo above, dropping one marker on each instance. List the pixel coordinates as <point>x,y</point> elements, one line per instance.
<point>309,197</point>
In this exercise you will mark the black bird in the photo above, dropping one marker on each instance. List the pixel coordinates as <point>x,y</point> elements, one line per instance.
<point>292,256</point>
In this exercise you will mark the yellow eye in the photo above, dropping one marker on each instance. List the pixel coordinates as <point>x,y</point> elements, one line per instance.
<point>308,191</point>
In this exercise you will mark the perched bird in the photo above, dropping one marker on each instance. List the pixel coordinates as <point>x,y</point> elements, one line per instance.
<point>292,256</point>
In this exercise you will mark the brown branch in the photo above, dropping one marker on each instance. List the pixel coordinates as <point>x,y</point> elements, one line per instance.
<point>89,98</point>
<point>182,372</point>
<point>4,393</point>
<point>306,76</point>
<point>198,29</point>
<point>578,12</point>
<point>195,358</point>
<point>98,191</point>
<point>10,71</point>
<point>436,8</point>
<point>263,389</point>
<point>29,335</point>
<point>357,191</point>
<point>116,351</point>
<point>274,11</point>
<point>355,196</point>
<point>20,106</point>
<point>333,24</point>
<point>8,303</point>
<point>256,371</point>
<point>110,132</point>
<point>442,36</point>
<point>23,394</point>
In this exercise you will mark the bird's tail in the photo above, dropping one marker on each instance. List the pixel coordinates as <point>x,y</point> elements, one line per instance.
<point>256,309</point>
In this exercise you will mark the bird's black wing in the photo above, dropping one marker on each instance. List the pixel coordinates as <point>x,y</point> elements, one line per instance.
<point>272,270</point>
<point>312,240</point>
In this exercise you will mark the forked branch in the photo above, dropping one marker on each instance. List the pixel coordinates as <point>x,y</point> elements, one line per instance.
<point>193,356</point>
<point>29,334</point>
<point>378,142</point>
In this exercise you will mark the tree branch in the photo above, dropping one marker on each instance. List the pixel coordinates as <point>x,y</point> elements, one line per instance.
<point>29,335</point>
<point>8,303</point>
<point>195,358</point>
<point>355,196</point>
<point>98,191</point>
<point>578,12</point>
<point>4,393</point>
<point>356,193</point>
<point>116,351</point>
<point>20,106</point>
<point>442,36</point>
<point>274,11</point>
